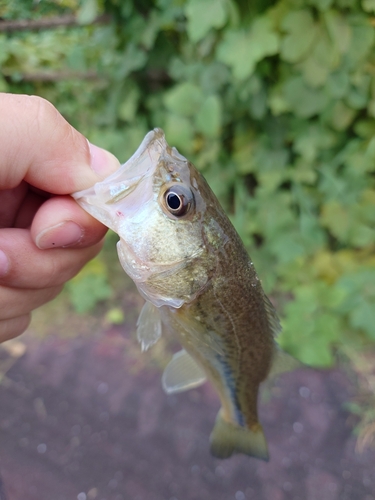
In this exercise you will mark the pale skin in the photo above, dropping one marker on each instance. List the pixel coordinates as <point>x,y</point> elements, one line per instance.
<point>45,237</point>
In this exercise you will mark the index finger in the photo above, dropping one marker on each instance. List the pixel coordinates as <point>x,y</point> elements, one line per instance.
<point>38,145</point>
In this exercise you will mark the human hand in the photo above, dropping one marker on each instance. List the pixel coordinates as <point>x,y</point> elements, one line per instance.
<point>45,237</point>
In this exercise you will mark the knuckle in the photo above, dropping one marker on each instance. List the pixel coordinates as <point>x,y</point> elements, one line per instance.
<point>45,115</point>
<point>41,108</point>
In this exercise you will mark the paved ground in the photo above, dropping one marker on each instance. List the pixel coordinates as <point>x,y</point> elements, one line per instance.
<point>87,419</point>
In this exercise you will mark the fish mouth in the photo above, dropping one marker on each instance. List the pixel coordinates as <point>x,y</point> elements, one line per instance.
<point>105,197</point>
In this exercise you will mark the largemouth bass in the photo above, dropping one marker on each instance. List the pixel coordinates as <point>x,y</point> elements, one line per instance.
<point>190,265</point>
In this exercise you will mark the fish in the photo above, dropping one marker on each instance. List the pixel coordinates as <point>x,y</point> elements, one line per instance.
<point>199,284</point>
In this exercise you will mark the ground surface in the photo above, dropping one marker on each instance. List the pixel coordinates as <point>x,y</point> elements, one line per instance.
<point>85,418</point>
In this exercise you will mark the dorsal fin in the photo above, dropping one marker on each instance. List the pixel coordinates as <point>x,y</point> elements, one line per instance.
<point>281,361</point>
<point>148,326</point>
<point>182,373</point>
<point>273,319</point>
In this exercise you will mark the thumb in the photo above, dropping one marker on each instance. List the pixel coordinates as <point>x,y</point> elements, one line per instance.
<point>38,145</point>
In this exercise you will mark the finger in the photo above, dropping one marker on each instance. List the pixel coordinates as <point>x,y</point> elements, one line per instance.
<point>27,210</point>
<point>16,302</point>
<point>10,202</point>
<point>37,144</point>
<point>61,222</point>
<point>26,266</point>
<point>10,328</point>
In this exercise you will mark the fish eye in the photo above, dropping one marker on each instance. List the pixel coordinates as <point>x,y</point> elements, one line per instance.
<point>178,200</point>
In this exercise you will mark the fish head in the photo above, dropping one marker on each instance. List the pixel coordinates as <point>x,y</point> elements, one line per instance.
<point>157,203</point>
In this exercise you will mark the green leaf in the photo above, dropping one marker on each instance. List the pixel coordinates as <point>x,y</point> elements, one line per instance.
<point>357,97</point>
<point>122,142</point>
<point>214,76</point>
<point>89,287</point>
<point>314,72</point>
<point>133,59</point>
<point>180,132</point>
<point>341,116</point>
<point>242,50</point>
<point>322,59</point>
<point>151,30</point>
<point>362,42</point>
<point>4,49</point>
<point>203,15</point>
<point>88,12</point>
<point>368,5</point>
<point>208,119</point>
<point>310,141</point>
<point>336,218</point>
<point>184,99</point>
<point>321,4</point>
<point>208,154</point>
<point>265,40</point>
<point>243,154</point>
<point>371,108</point>
<point>287,246</point>
<point>258,104</point>
<point>128,107</point>
<point>359,287</point>
<point>339,30</point>
<point>301,33</point>
<point>310,329</point>
<point>3,85</point>
<point>304,101</point>
<point>338,84</point>
<point>365,128</point>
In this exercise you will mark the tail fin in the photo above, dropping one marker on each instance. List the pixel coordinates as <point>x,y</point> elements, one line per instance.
<point>227,439</point>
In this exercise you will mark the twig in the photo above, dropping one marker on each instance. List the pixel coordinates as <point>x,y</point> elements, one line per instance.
<point>57,76</point>
<point>47,23</point>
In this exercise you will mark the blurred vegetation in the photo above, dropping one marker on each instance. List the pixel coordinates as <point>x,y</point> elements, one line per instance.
<point>273,101</point>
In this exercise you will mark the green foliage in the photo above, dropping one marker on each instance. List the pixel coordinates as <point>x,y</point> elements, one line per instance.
<point>89,286</point>
<point>273,101</point>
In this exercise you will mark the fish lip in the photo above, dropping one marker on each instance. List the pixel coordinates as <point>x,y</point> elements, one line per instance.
<point>116,186</point>
<point>104,199</point>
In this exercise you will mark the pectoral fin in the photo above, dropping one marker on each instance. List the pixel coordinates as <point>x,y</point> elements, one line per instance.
<point>148,326</point>
<point>182,373</point>
<point>227,439</point>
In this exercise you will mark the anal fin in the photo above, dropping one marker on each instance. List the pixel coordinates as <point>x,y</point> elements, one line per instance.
<point>182,373</point>
<point>283,362</point>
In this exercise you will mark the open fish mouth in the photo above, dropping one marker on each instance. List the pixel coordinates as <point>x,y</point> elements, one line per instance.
<point>104,198</point>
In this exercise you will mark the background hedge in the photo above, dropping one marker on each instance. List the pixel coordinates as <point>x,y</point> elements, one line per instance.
<point>273,101</point>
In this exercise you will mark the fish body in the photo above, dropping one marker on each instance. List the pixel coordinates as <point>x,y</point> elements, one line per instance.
<point>190,265</point>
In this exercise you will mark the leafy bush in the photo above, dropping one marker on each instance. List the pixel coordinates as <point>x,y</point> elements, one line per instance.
<point>273,101</point>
